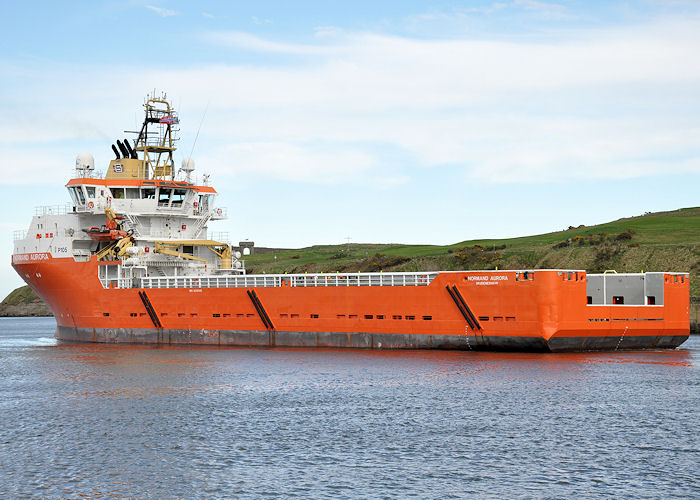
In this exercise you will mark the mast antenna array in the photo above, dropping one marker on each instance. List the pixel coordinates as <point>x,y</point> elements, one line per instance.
<point>157,138</point>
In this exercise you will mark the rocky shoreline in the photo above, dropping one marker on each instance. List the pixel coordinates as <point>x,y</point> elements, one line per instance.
<point>24,310</point>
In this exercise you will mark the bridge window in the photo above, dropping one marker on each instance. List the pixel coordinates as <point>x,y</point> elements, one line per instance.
<point>148,193</point>
<point>132,193</point>
<point>164,197</point>
<point>178,197</point>
<point>118,193</point>
<point>90,191</point>
<point>73,196</point>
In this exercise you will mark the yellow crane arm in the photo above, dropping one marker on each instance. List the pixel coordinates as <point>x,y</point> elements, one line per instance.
<point>221,249</point>
<point>110,214</point>
<point>115,248</point>
<point>160,248</point>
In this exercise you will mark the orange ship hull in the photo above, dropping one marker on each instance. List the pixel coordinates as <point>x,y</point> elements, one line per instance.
<point>470,310</point>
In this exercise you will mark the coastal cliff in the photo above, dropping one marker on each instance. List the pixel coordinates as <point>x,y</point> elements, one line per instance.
<point>23,302</point>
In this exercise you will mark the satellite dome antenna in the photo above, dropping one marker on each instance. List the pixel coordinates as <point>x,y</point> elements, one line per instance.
<point>187,167</point>
<point>84,164</point>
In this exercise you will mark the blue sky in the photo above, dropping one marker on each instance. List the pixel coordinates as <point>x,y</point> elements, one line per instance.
<point>410,121</point>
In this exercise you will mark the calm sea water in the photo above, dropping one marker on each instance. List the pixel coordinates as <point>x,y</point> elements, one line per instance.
<point>81,420</point>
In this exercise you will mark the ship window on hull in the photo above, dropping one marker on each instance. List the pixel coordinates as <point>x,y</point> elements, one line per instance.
<point>651,300</point>
<point>618,299</point>
<point>589,299</point>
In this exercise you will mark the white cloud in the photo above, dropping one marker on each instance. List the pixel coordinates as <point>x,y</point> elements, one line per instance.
<point>289,161</point>
<point>162,12</point>
<point>241,40</point>
<point>208,15</point>
<point>617,103</point>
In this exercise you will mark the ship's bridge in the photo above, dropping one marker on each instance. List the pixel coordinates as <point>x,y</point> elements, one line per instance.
<point>141,179</point>
<point>144,197</point>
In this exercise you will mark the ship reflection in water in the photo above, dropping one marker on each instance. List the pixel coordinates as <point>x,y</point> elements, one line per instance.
<point>144,421</point>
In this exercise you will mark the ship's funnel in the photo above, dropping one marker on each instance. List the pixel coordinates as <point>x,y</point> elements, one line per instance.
<point>116,153</point>
<point>123,149</point>
<point>132,153</point>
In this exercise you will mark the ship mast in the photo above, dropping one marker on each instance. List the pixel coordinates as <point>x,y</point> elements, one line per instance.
<point>157,138</point>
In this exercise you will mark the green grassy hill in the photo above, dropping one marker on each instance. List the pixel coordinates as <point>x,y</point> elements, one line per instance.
<point>663,241</point>
<point>21,295</point>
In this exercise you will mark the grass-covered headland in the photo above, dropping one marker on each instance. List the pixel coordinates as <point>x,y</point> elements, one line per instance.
<point>663,241</point>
